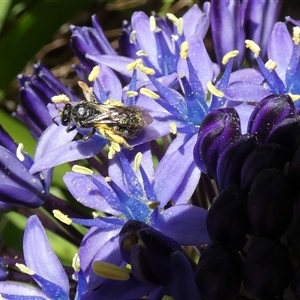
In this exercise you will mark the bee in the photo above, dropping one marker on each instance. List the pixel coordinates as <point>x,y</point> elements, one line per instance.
<point>114,121</point>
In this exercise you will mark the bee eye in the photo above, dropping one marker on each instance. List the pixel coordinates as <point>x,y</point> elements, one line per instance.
<point>66,114</point>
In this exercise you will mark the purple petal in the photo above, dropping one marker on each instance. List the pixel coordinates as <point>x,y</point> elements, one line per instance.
<point>195,21</point>
<point>186,224</point>
<point>280,35</point>
<point>93,242</point>
<point>85,192</point>
<point>145,37</point>
<point>49,154</point>
<point>21,291</point>
<point>41,259</point>
<point>173,168</point>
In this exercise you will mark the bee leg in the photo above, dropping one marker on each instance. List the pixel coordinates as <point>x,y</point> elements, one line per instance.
<point>110,135</point>
<point>85,138</point>
<point>113,102</point>
<point>71,128</point>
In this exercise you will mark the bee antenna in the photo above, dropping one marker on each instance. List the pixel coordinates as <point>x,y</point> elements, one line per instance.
<point>53,120</point>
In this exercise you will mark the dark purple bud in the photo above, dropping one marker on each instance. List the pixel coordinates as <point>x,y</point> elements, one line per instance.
<point>149,251</point>
<point>231,160</point>
<point>219,273</point>
<point>285,133</point>
<point>270,203</point>
<point>296,283</point>
<point>262,157</point>
<point>267,269</point>
<point>217,130</point>
<point>227,218</point>
<point>268,113</point>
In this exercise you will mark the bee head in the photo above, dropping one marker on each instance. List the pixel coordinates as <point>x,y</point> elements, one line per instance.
<point>65,114</point>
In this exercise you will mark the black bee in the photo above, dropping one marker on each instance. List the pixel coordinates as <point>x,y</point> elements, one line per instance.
<point>115,121</point>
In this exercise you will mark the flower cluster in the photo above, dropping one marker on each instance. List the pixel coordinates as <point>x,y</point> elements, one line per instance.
<point>158,133</point>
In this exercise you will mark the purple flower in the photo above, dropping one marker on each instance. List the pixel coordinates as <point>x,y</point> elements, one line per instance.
<point>42,265</point>
<point>136,195</point>
<point>36,92</point>
<point>234,21</point>
<point>18,187</point>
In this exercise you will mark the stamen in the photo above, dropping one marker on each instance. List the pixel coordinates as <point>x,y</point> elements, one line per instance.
<point>110,271</point>
<point>61,217</point>
<point>146,70</point>
<point>172,18</point>
<point>94,73</point>
<point>253,47</point>
<point>132,93</point>
<point>60,99</point>
<point>294,97</point>
<point>141,53</point>
<point>19,153</point>
<point>296,35</point>
<point>131,66</point>
<point>76,263</point>
<point>95,214</point>
<point>152,23</point>
<point>271,65</point>
<point>137,161</point>
<point>107,179</point>
<point>82,170</point>
<point>149,93</point>
<point>24,269</point>
<point>173,127</point>
<point>184,50</point>
<point>132,38</point>
<point>180,26</point>
<point>229,55</point>
<point>113,149</point>
<point>153,204</point>
<point>214,90</point>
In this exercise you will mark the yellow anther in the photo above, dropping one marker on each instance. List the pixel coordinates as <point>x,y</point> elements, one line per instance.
<point>60,99</point>
<point>180,26</point>
<point>110,271</point>
<point>137,161</point>
<point>132,37</point>
<point>152,23</point>
<point>296,35</point>
<point>25,269</point>
<point>271,65</point>
<point>173,128</point>
<point>19,153</point>
<point>229,55</point>
<point>172,18</point>
<point>113,149</point>
<point>82,170</point>
<point>184,48</point>
<point>61,217</point>
<point>132,93</point>
<point>131,66</point>
<point>149,93</point>
<point>94,73</point>
<point>153,204</point>
<point>107,179</point>
<point>214,90</point>
<point>76,263</point>
<point>141,53</point>
<point>253,47</point>
<point>166,297</point>
<point>146,70</point>
<point>294,97</point>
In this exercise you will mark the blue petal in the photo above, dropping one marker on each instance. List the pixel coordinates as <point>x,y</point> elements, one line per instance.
<point>186,224</point>
<point>41,259</point>
<point>173,168</point>
<point>49,154</point>
<point>88,194</point>
<point>20,291</point>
